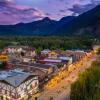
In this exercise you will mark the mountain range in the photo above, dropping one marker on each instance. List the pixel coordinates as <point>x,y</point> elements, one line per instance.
<point>87,23</point>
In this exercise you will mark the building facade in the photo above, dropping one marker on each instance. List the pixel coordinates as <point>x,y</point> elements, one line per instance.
<point>16,85</point>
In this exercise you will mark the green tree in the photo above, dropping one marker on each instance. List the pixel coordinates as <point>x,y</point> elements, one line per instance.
<point>86,87</point>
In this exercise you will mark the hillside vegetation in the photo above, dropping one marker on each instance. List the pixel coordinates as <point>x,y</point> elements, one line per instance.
<point>41,43</point>
<point>87,87</point>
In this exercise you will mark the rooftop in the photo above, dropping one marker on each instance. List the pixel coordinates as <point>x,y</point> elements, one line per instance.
<point>36,65</point>
<point>14,77</point>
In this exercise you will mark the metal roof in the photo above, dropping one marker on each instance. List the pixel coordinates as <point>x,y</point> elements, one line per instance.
<point>36,65</point>
<point>14,77</point>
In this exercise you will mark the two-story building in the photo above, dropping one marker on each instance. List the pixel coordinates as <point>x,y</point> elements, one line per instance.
<point>17,85</point>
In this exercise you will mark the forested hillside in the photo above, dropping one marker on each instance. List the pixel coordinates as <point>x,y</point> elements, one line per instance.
<point>87,87</point>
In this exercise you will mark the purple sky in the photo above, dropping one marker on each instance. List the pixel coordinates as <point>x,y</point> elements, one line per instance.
<point>16,11</point>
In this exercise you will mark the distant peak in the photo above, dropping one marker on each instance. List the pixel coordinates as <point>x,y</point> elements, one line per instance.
<point>68,17</point>
<point>98,6</point>
<point>46,18</point>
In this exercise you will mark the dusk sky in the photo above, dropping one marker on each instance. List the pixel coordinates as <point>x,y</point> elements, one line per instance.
<point>16,11</point>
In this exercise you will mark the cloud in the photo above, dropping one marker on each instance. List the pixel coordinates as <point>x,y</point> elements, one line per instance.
<point>15,11</point>
<point>11,13</point>
<point>6,1</point>
<point>79,8</point>
<point>62,11</point>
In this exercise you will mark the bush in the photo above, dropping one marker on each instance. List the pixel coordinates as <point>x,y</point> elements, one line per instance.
<point>86,87</point>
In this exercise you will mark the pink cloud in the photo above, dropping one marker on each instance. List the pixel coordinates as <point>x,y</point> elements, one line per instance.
<point>11,13</point>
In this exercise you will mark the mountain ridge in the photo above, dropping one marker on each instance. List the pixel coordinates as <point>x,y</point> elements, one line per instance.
<point>41,27</point>
<point>86,23</point>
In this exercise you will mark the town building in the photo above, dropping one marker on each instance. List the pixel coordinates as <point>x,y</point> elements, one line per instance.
<point>95,48</point>
<point>45,52</point>
<point>53,54</point>
<point>17,85</point>
<point>20,50</point>
<point>41,70</point>
<point>75,54</point>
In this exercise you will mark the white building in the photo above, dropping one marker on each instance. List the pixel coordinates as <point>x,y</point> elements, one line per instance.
<point>70,59</point>
<point>45,51</point>
<point>29,51</point>
<point>17,85</point>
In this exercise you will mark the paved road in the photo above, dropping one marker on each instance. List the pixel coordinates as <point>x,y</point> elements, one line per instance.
<point>62,90</point>
<point>66,94</point>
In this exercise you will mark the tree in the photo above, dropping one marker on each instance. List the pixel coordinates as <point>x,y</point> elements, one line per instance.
<point>86,87</point>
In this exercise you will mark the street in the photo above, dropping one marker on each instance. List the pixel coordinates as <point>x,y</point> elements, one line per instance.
<point>62,90</point>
